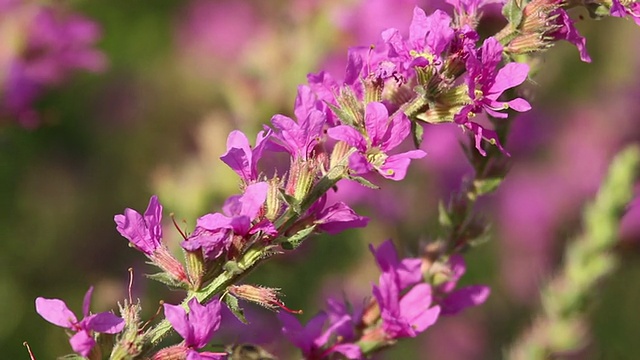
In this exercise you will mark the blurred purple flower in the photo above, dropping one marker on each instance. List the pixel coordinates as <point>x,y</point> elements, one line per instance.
<point>311,340</point>
<point>456,300</point>
<point>407,271</point>
<point>56,312</point>
<point>205,27</point>
<point>55,45</point>
<point>630,8</point>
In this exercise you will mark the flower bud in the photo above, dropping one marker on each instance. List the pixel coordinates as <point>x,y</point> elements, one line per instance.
<point>273,204</point>
<point>165,261</point>
<point>177,352</point>
<point>263,296</point>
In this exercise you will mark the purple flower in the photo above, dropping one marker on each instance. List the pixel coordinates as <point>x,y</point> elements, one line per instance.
<point>467,11</point>
<point>337,310</point>
<point>456,300</point>
<point>300,138</point>
<point>214,232</point>
<point>567,31</point>
<point>337,218</point>
<point>196,327</point>
<point>144,232</point>
<point>241,158</point>
<point>428,37</point>
<point>381,136</point>
<point>485,85</point>
<point>631,8</point>
<point>407,271</point>
<point>56,312</point>
<point>405,316</point>
<point>312,341</point>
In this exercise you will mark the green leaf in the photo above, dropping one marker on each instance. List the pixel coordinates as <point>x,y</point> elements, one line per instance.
<point>232,304</point>
<point>295,240</point>
<point>362,181</point>
<point>293,203</point>
<point>512,11</point>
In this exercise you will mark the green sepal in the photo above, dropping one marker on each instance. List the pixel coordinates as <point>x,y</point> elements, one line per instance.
<point>293,203</point>
<point>232,304</point>
<point>166,279</point>
<point>417,131</point>
<point>362,181</point>
<point>344,116</point>
<point>512,11</point>
<point>296,239</point>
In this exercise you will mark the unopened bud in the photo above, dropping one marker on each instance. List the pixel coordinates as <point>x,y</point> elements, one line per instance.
<point>263,296</point>
<point>177,352</point>
<point>162,258</point>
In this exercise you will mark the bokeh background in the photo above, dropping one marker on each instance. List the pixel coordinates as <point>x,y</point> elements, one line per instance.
<point>179,75</point>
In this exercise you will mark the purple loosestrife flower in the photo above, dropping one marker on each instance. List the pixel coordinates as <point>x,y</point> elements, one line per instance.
<point>196,328</point>
<point>468,11</point>
<point>382,135</point>
<point>243,159</point>
<point>214,233</point>
<point>312,341</point>
<point>485,85</point>
<point>337,310</point>
<point>335,218</point>
<point>56,312</point>
<point>145,234</point>
<point>428,37</point>
<point>408,271</point>
<point>455,300</point>
<point>629,8</point>
<point>300,138</point>
<point>407,315</point>
<point>567,31</point>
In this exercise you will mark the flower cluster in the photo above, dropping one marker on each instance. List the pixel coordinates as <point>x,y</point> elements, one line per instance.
<point>356,129</point>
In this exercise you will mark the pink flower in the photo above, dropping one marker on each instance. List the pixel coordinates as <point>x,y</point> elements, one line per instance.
<point>56,312</point>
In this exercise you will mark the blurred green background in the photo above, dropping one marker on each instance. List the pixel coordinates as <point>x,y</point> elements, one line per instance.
<point>156,121</point>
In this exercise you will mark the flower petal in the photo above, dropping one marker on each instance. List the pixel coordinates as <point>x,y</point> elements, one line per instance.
<point>56,312</point>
